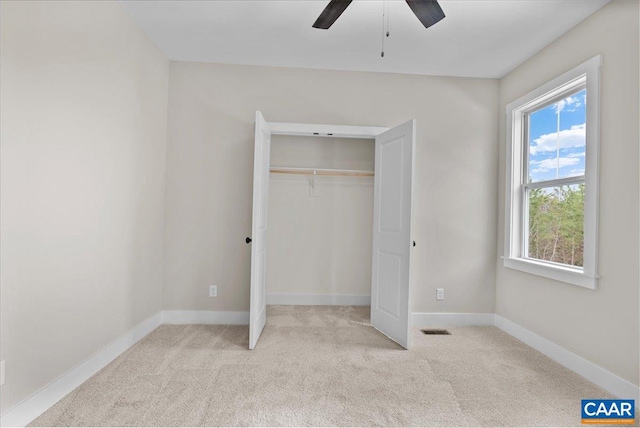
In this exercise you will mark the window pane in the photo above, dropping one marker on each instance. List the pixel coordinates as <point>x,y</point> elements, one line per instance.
<point>556,224</point>
<point>557,139</point>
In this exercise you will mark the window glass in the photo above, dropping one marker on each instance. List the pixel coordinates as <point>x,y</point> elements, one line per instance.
<point>556,224</point>
<point>557,139</point>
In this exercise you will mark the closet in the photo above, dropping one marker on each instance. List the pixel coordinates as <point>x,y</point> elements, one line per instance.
<point>319,221</point>
<point>391,234</point>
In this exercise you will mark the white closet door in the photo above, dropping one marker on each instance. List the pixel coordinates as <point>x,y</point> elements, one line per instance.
<point>258,307</point>
<point>392,232</point>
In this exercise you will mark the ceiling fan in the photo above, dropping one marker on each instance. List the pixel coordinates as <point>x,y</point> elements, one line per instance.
<point>428,12</point>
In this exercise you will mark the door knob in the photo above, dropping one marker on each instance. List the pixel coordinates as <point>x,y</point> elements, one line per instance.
<point>248,240</point>
<point>414,243</point>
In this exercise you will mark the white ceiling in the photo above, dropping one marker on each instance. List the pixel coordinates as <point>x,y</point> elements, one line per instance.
<point>476,39</point>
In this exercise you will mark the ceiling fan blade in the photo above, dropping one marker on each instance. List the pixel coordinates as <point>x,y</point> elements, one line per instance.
<point>428,12</point>
<point>330,13</point>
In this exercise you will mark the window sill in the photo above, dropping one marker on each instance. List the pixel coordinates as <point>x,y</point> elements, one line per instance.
<point>555,272</point>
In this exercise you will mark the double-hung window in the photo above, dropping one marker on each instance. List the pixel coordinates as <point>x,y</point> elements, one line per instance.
<point>552,178</point>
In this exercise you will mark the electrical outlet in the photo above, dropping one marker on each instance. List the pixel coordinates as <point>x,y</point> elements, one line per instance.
<point>213,291</point>
<point>439,293</point>
<point>2,372</point>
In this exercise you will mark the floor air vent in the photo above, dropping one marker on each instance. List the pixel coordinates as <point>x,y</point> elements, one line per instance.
<point>434,331</point>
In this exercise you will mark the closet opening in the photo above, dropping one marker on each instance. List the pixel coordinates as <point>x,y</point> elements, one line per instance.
<point>313,202</point>
<point>319,221</point>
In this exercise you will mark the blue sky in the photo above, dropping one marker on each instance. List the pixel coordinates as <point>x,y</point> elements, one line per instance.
<point>544,139</point>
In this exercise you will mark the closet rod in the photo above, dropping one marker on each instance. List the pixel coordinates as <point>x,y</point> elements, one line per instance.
<point>322,171</point>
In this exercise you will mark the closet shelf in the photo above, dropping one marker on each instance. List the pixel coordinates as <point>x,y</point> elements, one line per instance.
<point>322,171</point>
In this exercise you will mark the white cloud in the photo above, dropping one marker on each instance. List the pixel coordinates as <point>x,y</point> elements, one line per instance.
<point>571,102</point>
<point>574,137</point>
<point>576,155</point>
<point>551,164</point>
<point>576,172</point>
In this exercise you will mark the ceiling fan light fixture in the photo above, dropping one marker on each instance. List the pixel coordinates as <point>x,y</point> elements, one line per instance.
<point>428,12</point>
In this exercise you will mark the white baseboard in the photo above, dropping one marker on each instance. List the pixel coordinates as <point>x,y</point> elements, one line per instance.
<point>205,317</point>
<point>32,407</point>
<point>319,299</point>
<point>592,372</point>
<point>420,319</point>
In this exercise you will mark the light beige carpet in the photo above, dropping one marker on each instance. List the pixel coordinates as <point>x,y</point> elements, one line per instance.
<point>323,366</point>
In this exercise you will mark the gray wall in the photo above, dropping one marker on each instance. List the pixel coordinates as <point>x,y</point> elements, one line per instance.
<point>83,106</point>
<point>210,168</point>
<point>602,325</point>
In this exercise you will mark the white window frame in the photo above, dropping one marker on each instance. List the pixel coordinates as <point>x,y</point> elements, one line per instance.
<point>517,147</point>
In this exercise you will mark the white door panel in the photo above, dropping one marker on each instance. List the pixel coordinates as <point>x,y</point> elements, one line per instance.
<point>392,232</point>
<point>258,308</point>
